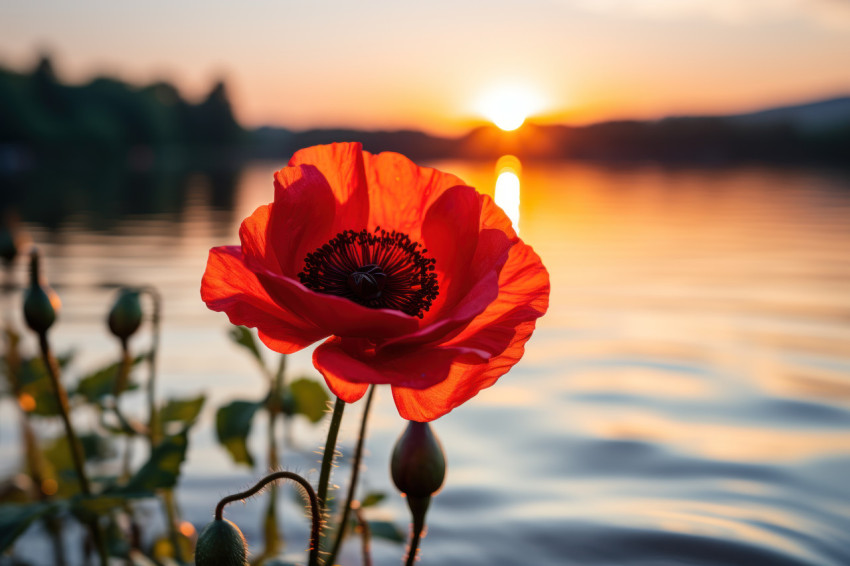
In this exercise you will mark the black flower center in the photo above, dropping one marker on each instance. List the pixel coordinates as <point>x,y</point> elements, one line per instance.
<point>379,270</point>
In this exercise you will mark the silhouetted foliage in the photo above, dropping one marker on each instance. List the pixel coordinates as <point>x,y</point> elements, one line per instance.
<point>108,116</point>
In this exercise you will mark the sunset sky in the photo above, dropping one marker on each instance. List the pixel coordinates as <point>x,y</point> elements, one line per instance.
<point>437,65</point>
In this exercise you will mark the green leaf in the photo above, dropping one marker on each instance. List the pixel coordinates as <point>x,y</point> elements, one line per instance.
<point>372,498</point>
<point>184,411</point>
<point>162,468</point>
<point>57,452</point>
<point>101,383</point>
<point>14,520</point>
<point>35,389</point>
<point>232,425</point>
<point>98,505</point>
<point>310,398</point>
<point>245,338</point>
<point>386,530</point>
<point>96,447</point>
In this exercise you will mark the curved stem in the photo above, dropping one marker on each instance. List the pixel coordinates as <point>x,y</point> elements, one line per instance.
<point>355,474</point>
<point>328,455</point>
<point>311,495</point>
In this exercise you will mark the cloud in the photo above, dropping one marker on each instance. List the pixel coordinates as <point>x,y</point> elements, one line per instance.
<point>827,13</point>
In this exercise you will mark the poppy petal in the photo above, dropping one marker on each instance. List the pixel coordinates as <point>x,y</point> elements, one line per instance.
<point>252,234</point>
<point>341,164</point>
<point>400,192</point>
<point>502,329</point>
<point>523,296</point>
<point>229,286</point>
<point>494,217</point>
<point>348,391</point>
<point>301,218</point>
<point>338,315</point>
<point>450,233</point>
<point>341,360</point>
<point>490,256</point>
<point>463,382</point>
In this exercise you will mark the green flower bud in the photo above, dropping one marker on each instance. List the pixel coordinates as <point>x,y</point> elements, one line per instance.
<point>41,303</point>
<point>221,543</point>
<point>126,314</point>
<point>418,464</point>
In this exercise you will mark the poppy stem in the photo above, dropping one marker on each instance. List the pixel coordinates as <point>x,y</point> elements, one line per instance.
<point>77,458</point>
<point>328,455</point>
<point>355,473</point>
<point>153,431</point>
<point>418,507</point>
<point>271,525</point>
<point>76,449</point>
<point>153,417</point>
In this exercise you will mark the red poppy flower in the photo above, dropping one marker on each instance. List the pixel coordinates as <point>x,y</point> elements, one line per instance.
<point>415,279</point>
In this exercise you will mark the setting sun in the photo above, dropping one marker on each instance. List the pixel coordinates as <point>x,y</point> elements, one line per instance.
<point>508,106</point>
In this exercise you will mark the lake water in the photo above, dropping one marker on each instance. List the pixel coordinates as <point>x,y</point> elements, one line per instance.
<point>686,400</point>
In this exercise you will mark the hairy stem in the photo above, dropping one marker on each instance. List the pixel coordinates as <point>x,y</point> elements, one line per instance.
<point>418,508</point>
<point>315,511</point>
<point>328,455</point>
<point>416,535</point>
<point>355,474</point>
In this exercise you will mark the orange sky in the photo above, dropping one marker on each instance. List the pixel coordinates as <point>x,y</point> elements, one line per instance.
<point>428,65</point>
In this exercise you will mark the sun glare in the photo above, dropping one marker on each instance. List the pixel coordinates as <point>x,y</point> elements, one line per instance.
<point>507,191</point>
<point>509,106</point>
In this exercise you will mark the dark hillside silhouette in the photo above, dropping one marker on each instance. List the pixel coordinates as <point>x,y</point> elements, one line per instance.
<point>106,119</point>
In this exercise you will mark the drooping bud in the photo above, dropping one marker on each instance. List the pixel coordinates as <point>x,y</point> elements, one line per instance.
<point>221,543</point>
<point>41,303</point>
<point>418,464</point>
<point>126,314</point>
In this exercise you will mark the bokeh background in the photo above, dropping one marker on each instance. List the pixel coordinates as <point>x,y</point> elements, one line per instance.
<point>681,166</point>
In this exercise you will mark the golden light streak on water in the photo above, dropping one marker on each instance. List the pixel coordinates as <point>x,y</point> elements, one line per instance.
<point>507,192</point>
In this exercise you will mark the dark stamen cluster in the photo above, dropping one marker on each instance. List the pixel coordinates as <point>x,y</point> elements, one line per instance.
<point>379,270</point>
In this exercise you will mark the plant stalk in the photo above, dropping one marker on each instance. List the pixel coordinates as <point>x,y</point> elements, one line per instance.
<point>315,506</point>
<point>329,452</point>
<point>355,475</point>
<point>271,524</point>
<point>75,447</point>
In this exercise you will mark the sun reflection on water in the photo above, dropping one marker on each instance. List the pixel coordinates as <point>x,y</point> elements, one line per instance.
<point>507,187</point>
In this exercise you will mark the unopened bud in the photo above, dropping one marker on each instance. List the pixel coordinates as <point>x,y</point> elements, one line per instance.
<point>126,314</point>
<point>41,303</point>
<point>221,543</point>
<point>418,464</point>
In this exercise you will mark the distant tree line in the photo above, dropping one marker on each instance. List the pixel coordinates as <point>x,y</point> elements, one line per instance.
<point>106,115</point>
<point>108,118</point>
